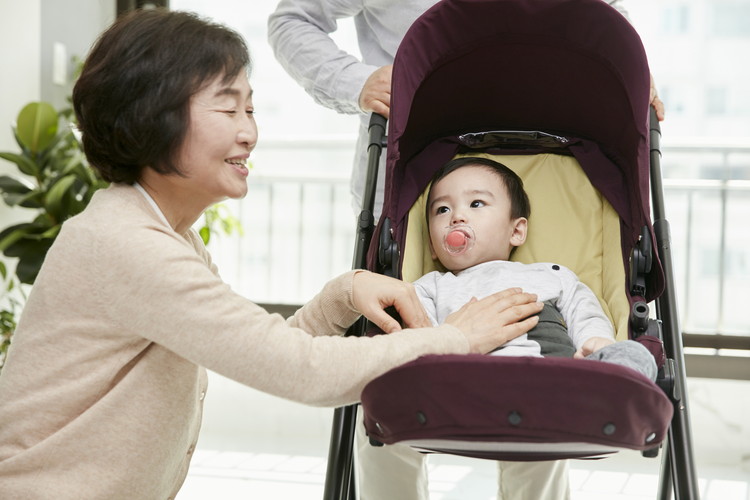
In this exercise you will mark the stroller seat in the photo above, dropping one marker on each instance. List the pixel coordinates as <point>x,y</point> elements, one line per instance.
<point>528,408</point>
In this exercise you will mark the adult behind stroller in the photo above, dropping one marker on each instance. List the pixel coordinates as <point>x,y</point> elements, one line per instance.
<point>567,80</point>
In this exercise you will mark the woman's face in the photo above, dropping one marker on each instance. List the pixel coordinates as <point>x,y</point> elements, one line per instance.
<point>220,137</point>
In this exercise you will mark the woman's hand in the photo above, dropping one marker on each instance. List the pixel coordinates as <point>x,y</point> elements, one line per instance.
<point>372,293</point>
<point>497,319</point>
<point>592,345</point>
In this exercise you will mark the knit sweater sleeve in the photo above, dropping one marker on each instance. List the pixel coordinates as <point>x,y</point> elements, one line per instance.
<point>166,293</point>
<point>330,312</point>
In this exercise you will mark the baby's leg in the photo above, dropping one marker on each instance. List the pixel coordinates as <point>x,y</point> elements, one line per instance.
<point>628,353</point>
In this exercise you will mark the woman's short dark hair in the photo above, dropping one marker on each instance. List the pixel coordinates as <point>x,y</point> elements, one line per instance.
<point>132,100</point>
<point>519,200</point>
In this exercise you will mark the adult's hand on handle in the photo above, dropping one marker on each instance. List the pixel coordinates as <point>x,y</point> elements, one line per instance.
<point>376,94</point>
<point>654,100</point>
<point>372,293</point>
<point>496,319</point>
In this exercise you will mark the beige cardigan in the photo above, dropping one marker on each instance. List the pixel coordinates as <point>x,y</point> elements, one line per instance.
<point>102,393</point>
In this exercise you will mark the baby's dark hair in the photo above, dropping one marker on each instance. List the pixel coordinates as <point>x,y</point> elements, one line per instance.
<point>132,100</point>
<point>519,200</point>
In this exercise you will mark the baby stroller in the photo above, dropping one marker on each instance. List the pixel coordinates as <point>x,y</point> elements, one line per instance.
<point>559,89</point>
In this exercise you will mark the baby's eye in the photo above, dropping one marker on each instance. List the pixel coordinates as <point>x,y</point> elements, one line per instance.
<point>477,204</point>
<point>442,210</point>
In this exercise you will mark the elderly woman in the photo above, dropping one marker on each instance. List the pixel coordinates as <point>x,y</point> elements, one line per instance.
<point>104,383</point>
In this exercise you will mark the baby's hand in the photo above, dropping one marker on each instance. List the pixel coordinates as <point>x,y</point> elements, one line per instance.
<point>592,345</point>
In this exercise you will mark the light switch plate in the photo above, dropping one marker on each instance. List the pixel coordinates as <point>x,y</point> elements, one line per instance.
<point>59,64</point>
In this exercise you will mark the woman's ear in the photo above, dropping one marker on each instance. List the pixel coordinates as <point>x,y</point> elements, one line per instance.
<point>520,228</point>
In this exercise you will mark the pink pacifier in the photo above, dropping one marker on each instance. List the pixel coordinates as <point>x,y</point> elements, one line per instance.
<point>459,239</point>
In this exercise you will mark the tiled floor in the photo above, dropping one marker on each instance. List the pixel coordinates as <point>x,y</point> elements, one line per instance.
<point>235,476</point>
<point>241,475</point>
<point>254,446</point>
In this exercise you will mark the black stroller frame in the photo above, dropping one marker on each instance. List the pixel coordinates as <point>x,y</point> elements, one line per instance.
<point>678,463</point>
<point>339,483</point>
<point>678,475</point>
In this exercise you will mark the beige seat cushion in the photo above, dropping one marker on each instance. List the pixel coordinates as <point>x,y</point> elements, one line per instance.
<point>571,224</point>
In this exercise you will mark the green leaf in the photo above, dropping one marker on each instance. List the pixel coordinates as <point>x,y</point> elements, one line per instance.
<point>13,199</point>
<point>12,185</point>
<point>56,195</point>
<point>29,264</point>
<point>43,221</point>
<point>37,125</point>
<point>52,232</point>
<point>57,149</point>
<point>7,324</point>
<point>205,233</point>
<point>24,150</point>
<point>10,235</point>
<point>13,190</point>
<point>24,164</point>
<point>73,164</point>
<point>31,244</point>
<point>34,199</point>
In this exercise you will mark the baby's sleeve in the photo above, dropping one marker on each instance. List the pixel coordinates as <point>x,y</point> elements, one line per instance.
<point>426,292</point>
<point>582,312</point>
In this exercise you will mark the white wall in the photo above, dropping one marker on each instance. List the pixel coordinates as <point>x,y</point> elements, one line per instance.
<point>20,39</point>
<point>74,25</point>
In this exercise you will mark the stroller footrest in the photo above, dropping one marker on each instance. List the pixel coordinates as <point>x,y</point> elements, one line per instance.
<point>541,403</point>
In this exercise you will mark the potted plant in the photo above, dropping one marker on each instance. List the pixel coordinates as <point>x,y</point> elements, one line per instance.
<point>10,304</point>
<point>55,182</point>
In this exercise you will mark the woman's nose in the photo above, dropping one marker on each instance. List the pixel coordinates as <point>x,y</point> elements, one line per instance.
<point>248,132</point>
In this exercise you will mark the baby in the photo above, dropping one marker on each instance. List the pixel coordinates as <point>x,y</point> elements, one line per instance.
<point>477,213</point>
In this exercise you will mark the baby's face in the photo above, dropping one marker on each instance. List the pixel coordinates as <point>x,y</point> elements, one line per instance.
<point>472,200</point>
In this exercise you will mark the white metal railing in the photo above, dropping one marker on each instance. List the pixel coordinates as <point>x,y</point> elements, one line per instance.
<point>709,216</point>
<point>300,228</point>
<point>298,220</point>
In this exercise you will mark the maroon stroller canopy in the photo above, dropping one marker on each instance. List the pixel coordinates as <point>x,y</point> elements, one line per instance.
<point>576,68</point>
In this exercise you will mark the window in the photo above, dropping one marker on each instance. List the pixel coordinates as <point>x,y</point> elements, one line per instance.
<point>716,101</point>
<point>730,19</point>
<point>675,19</point>
<point>298,221</point>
